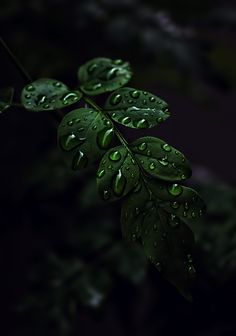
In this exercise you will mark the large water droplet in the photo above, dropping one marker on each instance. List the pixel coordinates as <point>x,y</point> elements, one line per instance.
<point>152,166</point>
<point>126,120</point>
<point>69,97</point>
<point>119,183</point>
<point>80,161</point>
<point>135,94</point>
<point>142,123</point>
<point>175,189</point>
<point>152,99</point>
<point>69,141</point>
<point>115,156</point>
<point>163,161</point>
<point>101,173</point>
<point>104,137</point>
<point>106,194</point>
<point>57,84</point>
<point>30,88</point>
<point>115,99</point>
<point>142,146</point>
<point>166,147</point>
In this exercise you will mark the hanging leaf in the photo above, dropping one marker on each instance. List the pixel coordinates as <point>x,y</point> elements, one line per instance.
<point>6,96</point>
<point>48,94</point>
<point>168,245</point>
<point>101,75</point>
<point>117,174</point>
<point>136,108</point>
<point>169,248</point>
<point>160,159</point>
<point>178,200</point>
<point>85,134</point>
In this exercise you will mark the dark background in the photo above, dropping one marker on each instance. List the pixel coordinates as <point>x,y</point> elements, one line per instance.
<point>65,268</point>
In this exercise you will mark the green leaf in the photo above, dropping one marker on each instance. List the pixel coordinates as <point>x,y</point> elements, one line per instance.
<point>85,134</point>
<point>136,108</point>
<point>118,173</point>
<point>178,200</point>
<point>101,75</point>
<point>133,210</point>
<point>6,96</point>
<point>48,94</point>
<point>168,245</point>
<point>160,159</point>
<point>169,248</point>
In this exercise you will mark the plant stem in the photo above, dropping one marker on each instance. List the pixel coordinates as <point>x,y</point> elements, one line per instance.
<point>16,62</point>
<point>121,138</point>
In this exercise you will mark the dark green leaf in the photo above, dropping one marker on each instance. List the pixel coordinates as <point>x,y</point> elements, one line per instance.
<point>169,248</point>
<point>6,95</point>
<point>160,159</point>
<point>48,94</point>
<point>86,134</point>
<point>101,75</point>
<point>132,213</point>
<point>117,174</point>
<point>136,108</point>
<point>178,200</point>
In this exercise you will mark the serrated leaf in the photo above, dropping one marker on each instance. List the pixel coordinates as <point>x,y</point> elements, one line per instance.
<point>6,95</point>
<point>161,160</point>
<point>101,75</point>
<point>136,108</point>
<point>178,200</point>
<point>85,134</point>
<point>117,174</point>
<point>169,248</point>
<point>48,94</point>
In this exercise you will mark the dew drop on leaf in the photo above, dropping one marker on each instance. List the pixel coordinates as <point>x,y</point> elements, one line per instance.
<point>166,147</point>
<point>126,120</point>
<point>152,166</point>
<point>142,123</point>
<point>100,173</point>
<point>119,183</point>
<point>80,161</point>
<point>106,194</point>
<point>175,189</point>
<point>104,137</point>
<point>116,99</point>
<point>115,156</point>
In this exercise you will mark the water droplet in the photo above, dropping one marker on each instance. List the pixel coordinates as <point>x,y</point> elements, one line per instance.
<point>193,214</point>
<point>80,161</point>
<point>200,212</point>
<point>158,266</point>
<point>191,271</point>
<point>119,183</point>
<point>166,147</point>
<point>135,94</point>
<point>97,86</point>
<point>142,123</point>
<point>134,236</point>
<point>183,177</point>
<point>104,137</point>
<point>152,166</point>
<point>175,189</point>
<point>28,96</point>
<point>145,93</point>
<point>174,221</point>
<point>144,102</point>
<point>113,114</point>
<point>175,205</point>
<point>69,142</point>
<point>70,123</point>
<point>101,173</point>
<point>57,84</point>
<point>92,67</point>
<point>69,97</point>
<point>152,99</point>
<point>142,146</point>
<point>115,156</point>
<point>130,101</point>
<point>163,161</point>
<point>160,120</point>
<point>30,88</point>
<point>115,99</point>
<point>185,214</point>
<point>186,206</point>
<point>46,106</point>
<point>155,244</point>
<point>149,153</point>
<point>41,99</point>
<point>94,127</point>
<point>81,129</point>
<point>106,194</point>
<point>126,120</point>
<point>118,61</point>
<point>137,211</point>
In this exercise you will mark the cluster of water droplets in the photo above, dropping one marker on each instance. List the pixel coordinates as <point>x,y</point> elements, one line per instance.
<point>137,109</point>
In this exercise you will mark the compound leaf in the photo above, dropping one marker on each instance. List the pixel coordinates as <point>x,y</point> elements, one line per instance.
<point>136,109</point>
<point>85,134</point>
<point>117,174</point>
<point>160,159</point>
<point>48,94</point>
<point>6,96</point>
<point>101,75</point>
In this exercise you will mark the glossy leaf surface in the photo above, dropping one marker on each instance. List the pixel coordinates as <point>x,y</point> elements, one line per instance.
<point>101,75</point>
<point>48,94</point>
<point>117,173</point>
<point>6,95</point>
<point>86,134</point>
<point>136,108</point>
<point>160,159</point>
